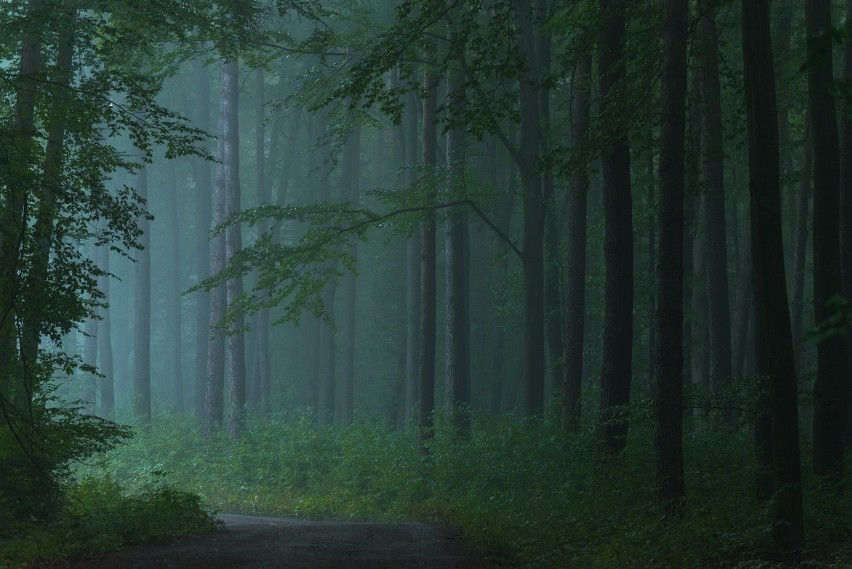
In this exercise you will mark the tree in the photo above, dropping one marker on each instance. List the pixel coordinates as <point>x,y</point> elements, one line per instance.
<point>575,307</point>
<point>772,317</point>
<point>718,310</point>
<point>105,340</point>
<point>618,234</point>
<point>428,254</point>
<point>831,392</point>
<point>142,311</point>
<point>351,174</point>
<point>457,379</point>
<point>203,209</point>
<point>668,363</point>
<point>175,312</point>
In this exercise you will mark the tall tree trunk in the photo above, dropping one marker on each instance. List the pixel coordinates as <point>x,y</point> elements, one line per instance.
<point>176,316</point>
<point>575,307</point>
<point>668,363</point>
<point>800,253</point>
<point>142,311</point>
<point>105,340</point>
<point>351,174</point>
<point>412,266</point>
<point>264,195</point>
<point>618,236</point>
<point>15,389</point>
<point>428,254</point>
<point>90,354</point>
<point>772,317</point>
<point>846,230</point>
<point>830,387</point>
<point>228,175</point>
<point>552,292</point>
<point>203,219</point>
<point>457,378</point>
<point>691,205</point>
<point>533,200</point>
<point>718,310</point>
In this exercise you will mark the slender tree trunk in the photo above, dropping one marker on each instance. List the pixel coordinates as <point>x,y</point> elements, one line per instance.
<point>90,354</point>
<point>12,223</point>
<point>534,218</point>
<point>668,384</point>
<point>105,340</point>
<point>428,284</point>
<point>175,311</point>
<point>552,291</point>
<point>718,310</point>
<point>575,308</point>
<point>351,174</point>
<point>691,205</point>
<point>846,230</point>
<point>830,387</point>
<point>228,175</point>
<point>412,270</point>
<point>457,378</point>
<point>772,317</point>
<point>264,196</point>
<point>203,219</point>
<point>800,254</point>
<point>618,236</point>
<point>142,310</point>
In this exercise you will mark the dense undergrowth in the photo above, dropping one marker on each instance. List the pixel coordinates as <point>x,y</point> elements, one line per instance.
<point>518,488</point>
<point>98,515</point>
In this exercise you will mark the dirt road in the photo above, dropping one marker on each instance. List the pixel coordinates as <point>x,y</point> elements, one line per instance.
<point>255,542</point>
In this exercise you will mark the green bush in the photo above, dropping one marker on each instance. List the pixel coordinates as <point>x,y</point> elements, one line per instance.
<point>519,488</point>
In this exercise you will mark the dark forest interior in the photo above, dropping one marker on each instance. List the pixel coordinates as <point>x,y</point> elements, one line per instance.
<point>573,277</point>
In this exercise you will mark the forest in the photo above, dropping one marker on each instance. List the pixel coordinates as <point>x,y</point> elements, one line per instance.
<point>571,277</point>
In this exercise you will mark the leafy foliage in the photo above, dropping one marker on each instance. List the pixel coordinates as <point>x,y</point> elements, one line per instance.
<point>519,488</point>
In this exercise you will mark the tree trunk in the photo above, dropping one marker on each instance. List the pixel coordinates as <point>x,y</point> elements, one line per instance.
<point>846,230</point>
<point>617,353</point>
<point>800,253</point>
<point>105,340</point>
<point>203,219</point>
<point>142,310</point>
<point>830,386</point>
<point>457,377</point>
<point>668,363</point>
<point>772,317</point>
<point>264,196</point>
<point>175,312</point>
<point>575,307</point>
<point>228,175</point>
<point>90,354</point>
<point>718,309</point>
<point>412,266</point>
<point>428,292</point>
<point>351,174</point>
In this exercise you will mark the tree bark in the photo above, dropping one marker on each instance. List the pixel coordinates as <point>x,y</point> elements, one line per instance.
<point>228,175</point>
<point>830,386</point>
<point>351,175</point>
<point>457,374</point>
<point>797,303</point>
<point>142,311</point>
<point>90,354</point>
<point>412,266</point>
<point>175,311</point>
<point>575,307</point>
<point>772,317</point>
<point>534,216</point>
<point>718,309</point>
<point>846,230</point>
<point>264,196</point>
<point>105,340</point>
<point>668,363</point>
<point>428,292</point>
<point>203,219</point>
<point>617,353</point>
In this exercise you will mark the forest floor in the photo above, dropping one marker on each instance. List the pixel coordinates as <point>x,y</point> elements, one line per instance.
<point>255,542</point>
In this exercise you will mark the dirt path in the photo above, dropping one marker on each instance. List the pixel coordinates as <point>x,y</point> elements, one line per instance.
<point>255,542</point>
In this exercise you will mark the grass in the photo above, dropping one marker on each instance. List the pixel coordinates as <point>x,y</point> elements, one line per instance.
<point>520,489</point>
